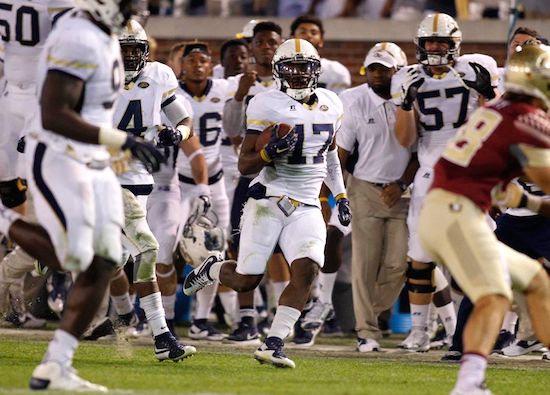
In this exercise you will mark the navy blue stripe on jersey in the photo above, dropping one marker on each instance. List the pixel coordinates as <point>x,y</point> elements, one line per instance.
<point>211,180</point>
<point>252,131</point>
<point>168,101</point>
<point>209,84</point>
<point>226,141</point>
<point>43,187</point>
<point>139,190</point>
<point>59,15</point>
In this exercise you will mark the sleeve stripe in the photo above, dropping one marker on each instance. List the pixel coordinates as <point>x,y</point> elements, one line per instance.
<point>168,101</point>
<point>257,122</point>
<point>168,93</point>
<point>75,64</point>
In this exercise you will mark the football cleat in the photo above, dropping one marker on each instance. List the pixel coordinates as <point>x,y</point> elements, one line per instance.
<point>272,352</point>
<point>367,345</point>
<point>317,315</point>
<point>25,320</point>
<point>101,330</point>
<point>302,337</point>
<point>200,277</point>
<point>546,356</point>
<point>441,340</point>
<point>481,390</point>
<point>127,320</point>
<point>504,339</point>
<point>167,347</point>
<point>417,341</point>
<point>521,347</point>
<point>52,375</point>
<point>203,330</point>
<point>244,334</point>
<point>452,356</point>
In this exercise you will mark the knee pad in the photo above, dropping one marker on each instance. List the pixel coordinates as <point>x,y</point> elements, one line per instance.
<point>420,274</point>
<point>13,192</point>
<point>144,267</point>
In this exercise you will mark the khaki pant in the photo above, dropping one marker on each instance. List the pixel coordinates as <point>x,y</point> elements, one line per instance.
<point>454,231</point>
<point>379,254</point>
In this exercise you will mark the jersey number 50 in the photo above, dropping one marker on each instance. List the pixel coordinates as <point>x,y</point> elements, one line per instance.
<point>23,35</point>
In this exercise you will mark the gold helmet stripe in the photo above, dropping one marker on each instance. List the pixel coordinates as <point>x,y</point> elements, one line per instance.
<point>436,22</point>
<point>297,45</point>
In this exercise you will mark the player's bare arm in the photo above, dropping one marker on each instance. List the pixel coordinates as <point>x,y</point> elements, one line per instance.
<point>192,149</point>
<point>250,161</point>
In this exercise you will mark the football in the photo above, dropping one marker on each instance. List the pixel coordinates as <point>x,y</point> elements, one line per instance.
<point>265,136</point>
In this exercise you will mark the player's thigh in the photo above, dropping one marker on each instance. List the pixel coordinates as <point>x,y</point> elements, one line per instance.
<point>304,235</point>
<point>163,216</point>
<point>63,195</point>
<point>261,226</point>
<point>422,183</point>
<point>455,232</point>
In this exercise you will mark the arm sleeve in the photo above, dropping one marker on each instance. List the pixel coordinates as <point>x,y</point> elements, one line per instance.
<point>73,56</point>
<point>334,179</point>
<point>346,136</point>
<point>175,110</point>
<point>233,118</point>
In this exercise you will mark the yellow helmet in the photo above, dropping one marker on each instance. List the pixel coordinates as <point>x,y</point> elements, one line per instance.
<point>528,72</point>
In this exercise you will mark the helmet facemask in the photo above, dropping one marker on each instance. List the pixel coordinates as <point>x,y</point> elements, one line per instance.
<point>437,58</point>
<point>134,55</point>
<point>298,76</point>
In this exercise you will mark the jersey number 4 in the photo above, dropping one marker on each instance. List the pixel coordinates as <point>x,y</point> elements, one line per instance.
<point>26,27</point>
<point>132,120</point>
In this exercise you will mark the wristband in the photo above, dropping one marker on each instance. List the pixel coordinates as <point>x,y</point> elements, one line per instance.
<point>323,199</point>
<point>203,189</point>
<point>340,196</point>
<point>185,132</point>
<point>265,157</point>
<point>112,138</point>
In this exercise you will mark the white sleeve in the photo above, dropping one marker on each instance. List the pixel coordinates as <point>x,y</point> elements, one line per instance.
<point>175,109</point>
<point>346,136</point>
<point>257,115</point>
<point>233,118</point>
<point>73,55</point>
<point>334,179</point>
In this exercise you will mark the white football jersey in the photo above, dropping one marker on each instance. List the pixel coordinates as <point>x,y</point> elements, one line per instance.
<point>25,25</point>
<point>298,175</point>
<point>207,124</point>
<point>334,76</point>
<point>80,48</point>
<point>138,111</point>
<point>443,104</point>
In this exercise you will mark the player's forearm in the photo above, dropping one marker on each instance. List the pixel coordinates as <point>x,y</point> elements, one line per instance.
<point>250,163</point>
<point>334,179</point>
<point>410,171</point>
<point>405,127</point>
<point>233,118</point>
<point>199,170</point>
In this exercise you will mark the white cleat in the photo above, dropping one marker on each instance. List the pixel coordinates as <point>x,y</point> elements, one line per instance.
<point>546,356</point>
<point>367,345</point>
<point>271,352</point>
<point>417,341</point>
<point>200,277</point>
<point>521,347</point>
<point>482,390</point>
<point>54,376</point>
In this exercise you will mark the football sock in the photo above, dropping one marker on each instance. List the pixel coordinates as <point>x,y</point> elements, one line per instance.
<point>214,271</point>
<point>447,315</point>
<point>326,286</point>
<point>419,316</point>
<point>122,304</point>
<point>169,305</point>
<point>205,299</point>
<point>472,372</point>
<point>152,305</point>
<point>230,303</point>
<point>284,320</point>
<point>277,288</point>
<point>62,347</point>
<point>510,321</point>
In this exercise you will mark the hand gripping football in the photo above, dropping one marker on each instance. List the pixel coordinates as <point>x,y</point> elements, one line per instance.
<point>265,137</point>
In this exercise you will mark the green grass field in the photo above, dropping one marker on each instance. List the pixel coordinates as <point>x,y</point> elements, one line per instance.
<point>129,369</point>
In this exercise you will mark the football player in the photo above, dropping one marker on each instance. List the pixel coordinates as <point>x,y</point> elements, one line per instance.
<point>207,97</point>
<point>29,22</point>
<point>257,78</point>
<point>283,205</point>
<point>335,76</point>
<point>80,72</point>
<point>435,97</point>
<point>500,141</point>
<point>149,91</point>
